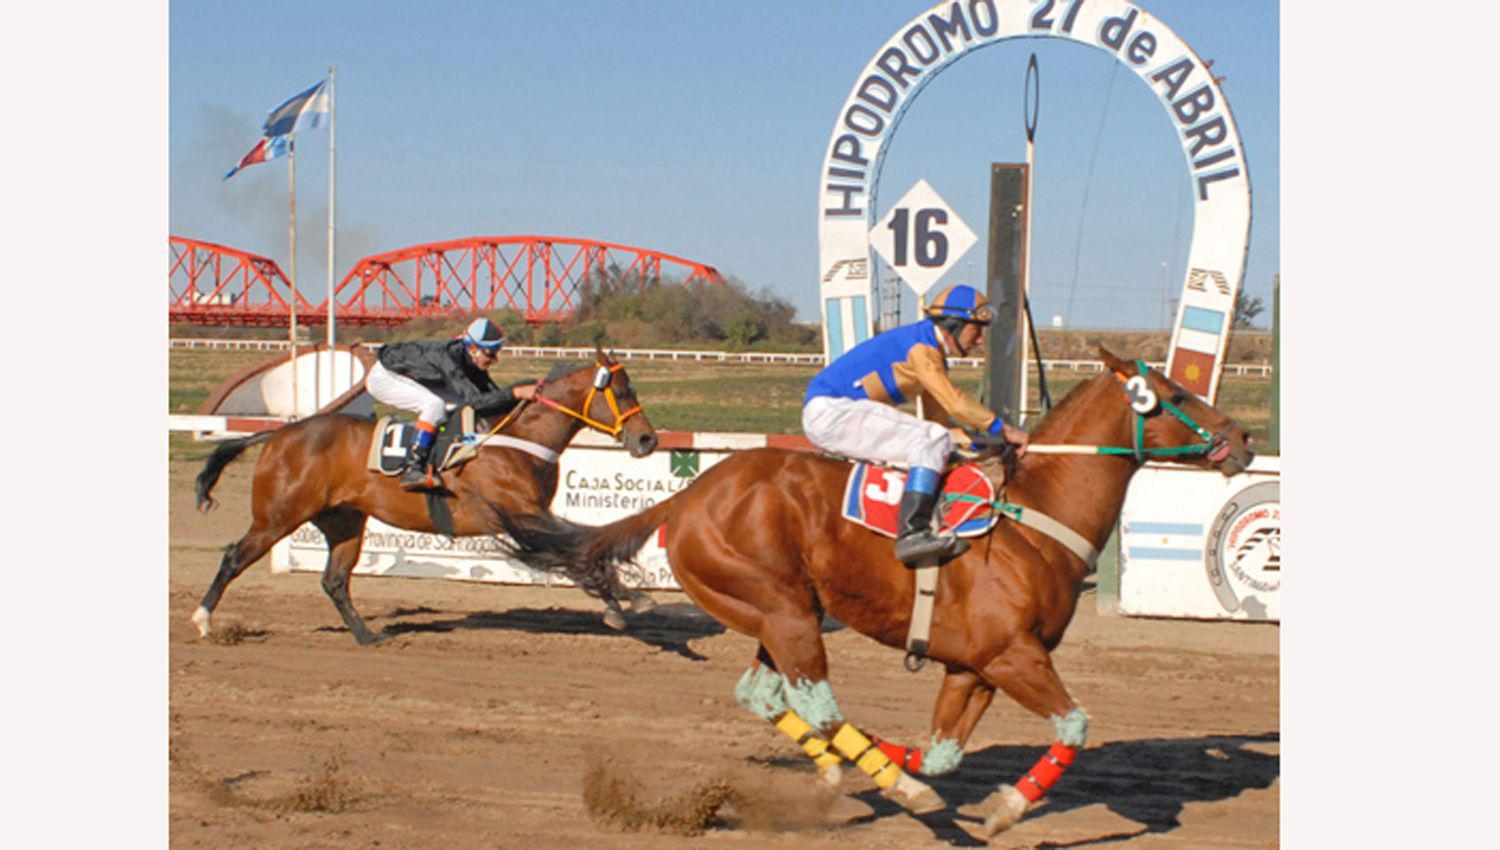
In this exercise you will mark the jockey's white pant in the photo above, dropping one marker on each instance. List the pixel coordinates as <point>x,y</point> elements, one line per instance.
<point>397,390</point>
<point>870,430</point>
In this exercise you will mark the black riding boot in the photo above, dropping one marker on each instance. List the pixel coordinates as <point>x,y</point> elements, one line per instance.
<point>917,543</point>
<point>418,473</point>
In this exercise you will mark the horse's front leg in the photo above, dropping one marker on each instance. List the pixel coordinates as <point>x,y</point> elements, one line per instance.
<point>1024,671</point>
<point>962,699</point>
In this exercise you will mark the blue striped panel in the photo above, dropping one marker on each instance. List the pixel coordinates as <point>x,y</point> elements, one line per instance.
<point>834,327</point>
<point>856,487</point>
<point>1166,528</point>
<point>1161,554</point>
<point>861,320</point>
<point>1201,319</point>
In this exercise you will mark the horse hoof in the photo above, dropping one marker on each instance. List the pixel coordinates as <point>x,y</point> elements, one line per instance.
<point>202,619</point>
<point>914,796</point>
<point>615,620</point>
<point>641,603</point>
<point>831,775</point>
<point>375,639</point>
<point>1006,807</point>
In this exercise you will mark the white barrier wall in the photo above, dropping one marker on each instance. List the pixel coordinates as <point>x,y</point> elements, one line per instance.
<point>1192,544</point>
<point>1197,544</point>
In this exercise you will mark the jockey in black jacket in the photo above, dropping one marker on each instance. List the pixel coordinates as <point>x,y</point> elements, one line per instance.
<point>425,376</point>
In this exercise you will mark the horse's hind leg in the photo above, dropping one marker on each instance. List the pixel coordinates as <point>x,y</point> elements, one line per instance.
<point>238,556</point>
<point>1024,671</point>
<point>795,643</point>
<point>762,691</point>
<point>345,530</point>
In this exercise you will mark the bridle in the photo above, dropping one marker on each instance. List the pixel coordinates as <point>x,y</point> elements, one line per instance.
<point>603,377</point>
<point>1145,403</point>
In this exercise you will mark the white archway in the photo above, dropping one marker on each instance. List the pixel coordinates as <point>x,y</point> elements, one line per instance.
<point>952,29</point>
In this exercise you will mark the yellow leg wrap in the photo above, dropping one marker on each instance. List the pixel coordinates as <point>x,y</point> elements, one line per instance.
<point>863,752</point>
<point>800,731</point>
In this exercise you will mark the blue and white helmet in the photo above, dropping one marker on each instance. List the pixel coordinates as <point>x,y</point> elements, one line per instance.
<point>484,334</point>
<point>963,302</point>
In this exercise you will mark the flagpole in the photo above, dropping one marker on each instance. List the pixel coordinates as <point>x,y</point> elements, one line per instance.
<point>292,277</point>
<point>332,390</point>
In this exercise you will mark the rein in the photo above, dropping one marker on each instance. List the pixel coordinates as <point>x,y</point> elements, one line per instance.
<point>601,377</point>
<point>496,439</point>
<point>601,382</point>
<point>1143,401</point>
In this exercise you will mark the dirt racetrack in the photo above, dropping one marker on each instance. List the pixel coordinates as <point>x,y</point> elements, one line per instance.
<point>512,718</point>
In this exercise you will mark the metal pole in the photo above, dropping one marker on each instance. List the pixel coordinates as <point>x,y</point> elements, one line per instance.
<point>292,270</point>
<point>1275,429</point>
<point>332,390</point>
<point>1031,109</point>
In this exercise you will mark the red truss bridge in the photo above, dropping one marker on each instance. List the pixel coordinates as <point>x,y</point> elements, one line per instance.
<point>537,276</point>
<point>218,285</point>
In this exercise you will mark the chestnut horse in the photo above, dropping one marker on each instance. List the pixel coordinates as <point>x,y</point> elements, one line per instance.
<point>757,541</point>
<point>315,471</point>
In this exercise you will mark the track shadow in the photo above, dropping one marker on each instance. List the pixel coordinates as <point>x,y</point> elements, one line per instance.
<point>669,628</point>
<point>1147,781</point>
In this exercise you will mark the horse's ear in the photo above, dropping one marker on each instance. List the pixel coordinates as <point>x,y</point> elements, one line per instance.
<point>1111,362</point>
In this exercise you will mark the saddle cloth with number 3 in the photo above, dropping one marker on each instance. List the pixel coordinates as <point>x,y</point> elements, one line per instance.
<point>872,498</point>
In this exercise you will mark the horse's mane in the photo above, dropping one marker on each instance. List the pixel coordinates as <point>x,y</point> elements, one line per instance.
<point>1060,410</point>
<point>565,368</point>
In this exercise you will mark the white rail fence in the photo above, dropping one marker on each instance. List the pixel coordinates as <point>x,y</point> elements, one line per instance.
<point>1262,370</point>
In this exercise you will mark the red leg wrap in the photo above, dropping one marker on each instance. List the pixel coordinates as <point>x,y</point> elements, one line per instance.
<point>1048,769</point>
<point>909,760</point>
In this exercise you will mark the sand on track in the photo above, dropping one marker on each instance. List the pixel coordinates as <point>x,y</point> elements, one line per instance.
<point>493,711</point>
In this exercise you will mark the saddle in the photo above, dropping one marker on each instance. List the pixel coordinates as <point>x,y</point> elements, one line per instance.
<point>391,437</point>
<point>872,498</point>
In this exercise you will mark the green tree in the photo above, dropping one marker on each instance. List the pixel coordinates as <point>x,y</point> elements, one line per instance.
<point>1246,309</point>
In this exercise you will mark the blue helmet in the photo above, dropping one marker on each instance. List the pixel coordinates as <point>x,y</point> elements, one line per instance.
<point>964,302</point>
<point>485,334</point>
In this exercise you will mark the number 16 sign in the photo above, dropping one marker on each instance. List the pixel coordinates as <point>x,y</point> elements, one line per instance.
<point>921,238</point>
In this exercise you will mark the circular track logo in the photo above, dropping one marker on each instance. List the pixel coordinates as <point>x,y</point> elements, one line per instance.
<point>1244,549</point>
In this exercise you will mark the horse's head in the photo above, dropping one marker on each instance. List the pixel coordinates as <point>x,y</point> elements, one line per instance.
<point>604,399</point>
<point>1170,418</point>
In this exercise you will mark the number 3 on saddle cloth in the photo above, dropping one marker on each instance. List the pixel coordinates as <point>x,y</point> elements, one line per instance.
<point>872,498</point>
<point>392,437</point>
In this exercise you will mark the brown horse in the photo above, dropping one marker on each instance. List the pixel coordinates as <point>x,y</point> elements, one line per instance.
<point>757,541</point>
<point>315,471</point>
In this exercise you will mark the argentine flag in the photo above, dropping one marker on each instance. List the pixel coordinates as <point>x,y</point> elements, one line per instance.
<point>302,112</point>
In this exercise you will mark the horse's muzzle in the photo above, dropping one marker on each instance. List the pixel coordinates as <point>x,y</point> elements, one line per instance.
<point>1229,458</point>
<point>640,445</point>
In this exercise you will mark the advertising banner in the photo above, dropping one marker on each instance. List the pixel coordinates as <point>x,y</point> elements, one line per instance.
<point>596,485</point>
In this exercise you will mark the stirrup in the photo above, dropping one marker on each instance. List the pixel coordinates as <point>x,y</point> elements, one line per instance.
<point>913,549</point>
<point>428,481</point>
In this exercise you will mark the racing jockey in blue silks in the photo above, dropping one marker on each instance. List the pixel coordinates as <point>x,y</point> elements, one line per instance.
<point>850,409</point>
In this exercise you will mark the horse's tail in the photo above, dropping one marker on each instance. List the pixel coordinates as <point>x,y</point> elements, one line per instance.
<point>222,454</point>
<point>588,555</point>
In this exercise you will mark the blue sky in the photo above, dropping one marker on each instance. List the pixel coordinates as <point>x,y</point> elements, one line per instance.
<point>697,129</point>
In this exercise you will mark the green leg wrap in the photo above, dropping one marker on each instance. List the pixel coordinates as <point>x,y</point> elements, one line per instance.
<point>1072,729</point>
<point>761,692</point>
<point>814,701</point>
<point>942,757</point>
